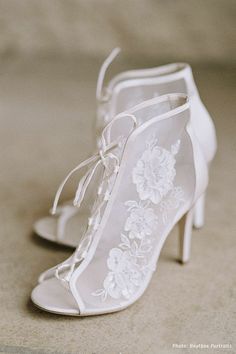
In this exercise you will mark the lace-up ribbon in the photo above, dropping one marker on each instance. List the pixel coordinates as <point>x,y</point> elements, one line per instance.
<point>100,94</point>
<point>101,158</point>
<point>104,157</point>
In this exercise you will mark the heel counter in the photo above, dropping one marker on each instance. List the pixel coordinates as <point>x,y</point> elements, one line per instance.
<point>200,165</point>
<point>204,127</point>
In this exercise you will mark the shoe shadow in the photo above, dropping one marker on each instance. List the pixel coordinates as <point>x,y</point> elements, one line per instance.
<point>36,312</point>
<point>167,258</point>
<point>39,241</point>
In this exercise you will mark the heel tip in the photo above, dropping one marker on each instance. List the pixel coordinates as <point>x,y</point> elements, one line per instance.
<point>198,225</point>
<point>184,261</point>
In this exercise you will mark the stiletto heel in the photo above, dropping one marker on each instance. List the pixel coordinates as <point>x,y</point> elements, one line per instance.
<point>199,212</point>
<point>185,235</point>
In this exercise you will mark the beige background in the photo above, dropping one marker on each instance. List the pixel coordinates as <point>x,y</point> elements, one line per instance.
<point>50,55</point>
<point>193,30</point>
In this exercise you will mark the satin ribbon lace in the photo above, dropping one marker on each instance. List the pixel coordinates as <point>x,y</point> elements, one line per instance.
<point>109,162</point>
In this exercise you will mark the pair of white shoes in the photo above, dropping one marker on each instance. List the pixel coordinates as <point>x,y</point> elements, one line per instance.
<point>155,144</point>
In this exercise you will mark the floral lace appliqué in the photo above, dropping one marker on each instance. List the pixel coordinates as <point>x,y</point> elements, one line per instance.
<point>141,221</point>
<point>129,263</point>
<point>155,171</point>
<point>173,201</point>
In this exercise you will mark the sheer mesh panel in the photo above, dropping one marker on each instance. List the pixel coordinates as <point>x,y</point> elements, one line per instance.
<point>137,93</point>
<point>112,268</point>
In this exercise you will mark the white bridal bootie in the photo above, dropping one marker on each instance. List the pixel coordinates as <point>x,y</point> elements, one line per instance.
<point>124,91</point>
<point>149,173</point>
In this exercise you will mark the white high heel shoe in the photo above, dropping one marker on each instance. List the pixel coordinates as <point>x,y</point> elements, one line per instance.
<point>153,173</point>
<point>124,91</point>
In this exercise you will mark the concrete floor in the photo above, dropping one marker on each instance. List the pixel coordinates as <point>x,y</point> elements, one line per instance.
<point>47,118</point>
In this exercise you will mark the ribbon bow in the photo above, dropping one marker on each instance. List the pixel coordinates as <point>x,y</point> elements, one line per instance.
<point>103,157</point>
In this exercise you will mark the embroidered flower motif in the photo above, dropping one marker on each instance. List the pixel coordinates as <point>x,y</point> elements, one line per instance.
<point>129,264</point>
<point>154,172</point>
<point>173,200</point>
<point>124,275</point>
<point>141,221</point>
